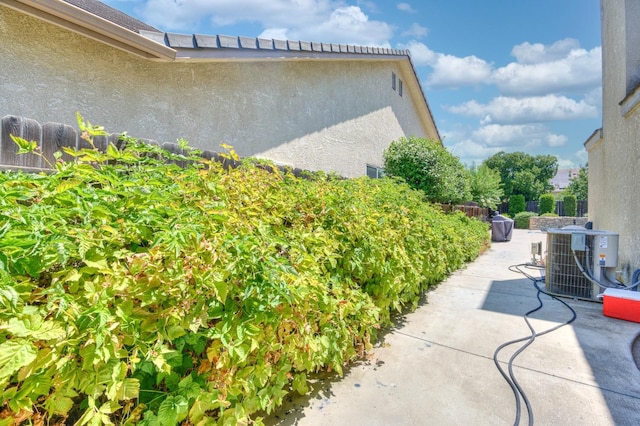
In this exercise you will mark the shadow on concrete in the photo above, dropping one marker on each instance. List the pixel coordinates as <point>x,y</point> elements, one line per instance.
<point>606,343</point>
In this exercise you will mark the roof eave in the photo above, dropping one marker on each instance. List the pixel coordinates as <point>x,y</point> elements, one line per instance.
<point>422,103</point>
<point>593,140</point>
<point>73,18</point>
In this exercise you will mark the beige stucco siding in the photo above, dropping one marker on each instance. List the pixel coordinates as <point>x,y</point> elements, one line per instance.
<point>312,114</point>
<point>614,161</point>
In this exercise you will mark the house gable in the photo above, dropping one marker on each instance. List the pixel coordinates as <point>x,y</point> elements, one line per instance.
<point>317,106</point>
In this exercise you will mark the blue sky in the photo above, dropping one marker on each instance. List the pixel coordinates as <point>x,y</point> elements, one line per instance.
<point>499,75</point>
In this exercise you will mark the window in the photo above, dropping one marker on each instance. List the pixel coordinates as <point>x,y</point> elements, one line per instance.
<point>375,172</point>
<point>400,87</point>
<point>393,80</point>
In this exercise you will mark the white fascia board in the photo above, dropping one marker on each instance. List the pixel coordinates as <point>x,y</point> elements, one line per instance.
<point>75,19</point>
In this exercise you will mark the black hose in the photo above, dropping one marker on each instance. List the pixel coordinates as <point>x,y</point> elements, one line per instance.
<point>510,378</point>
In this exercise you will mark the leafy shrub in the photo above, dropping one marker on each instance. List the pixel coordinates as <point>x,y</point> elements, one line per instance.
<point>516,204</point>
<point>136,291</point>
<point>547,204</point>
<point>522,219</point>
<point>549,215</point>
<point>426,165</point>
<point>570,205</point>
<point>485,185</point>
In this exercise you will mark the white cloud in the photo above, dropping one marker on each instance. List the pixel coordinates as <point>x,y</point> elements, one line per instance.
<point>555,141</point>
<point>497,135</point>
<point>452,71</point>
<point>184,14</point>
<point>415,30</point>
<point>420,53</point>
<point>275,33</point>
<point>582,156</point>
<point>559,68</point>
<point>527,53</point>
<point>503,136</point>
<point>526,110</point>
<point>405,7</point>
<point>448,70</point>
<point>477,145</point>
<point>347,25</point>
<point>309,20</point>
<point>470,152</point>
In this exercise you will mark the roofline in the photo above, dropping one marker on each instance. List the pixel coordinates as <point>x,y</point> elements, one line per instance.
<point>78,20</point>
<point>169,47</point>
<point>424,99</point>
<point>593,140</point>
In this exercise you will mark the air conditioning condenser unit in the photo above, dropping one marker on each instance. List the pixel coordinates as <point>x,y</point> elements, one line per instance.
<point>596,252</point>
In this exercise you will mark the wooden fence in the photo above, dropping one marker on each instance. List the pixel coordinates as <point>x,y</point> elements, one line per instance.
<point>52,137</point>
<point>480,213</point>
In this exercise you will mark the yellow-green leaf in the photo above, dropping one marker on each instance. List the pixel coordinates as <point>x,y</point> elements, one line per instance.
<point>15,354</point>
<point>67,185</point>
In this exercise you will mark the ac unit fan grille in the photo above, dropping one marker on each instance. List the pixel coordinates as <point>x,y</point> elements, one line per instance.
<point>562,275</point>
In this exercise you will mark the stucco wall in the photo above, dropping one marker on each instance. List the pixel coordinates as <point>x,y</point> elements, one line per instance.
<point>614,161</point>
<point>311,114</point>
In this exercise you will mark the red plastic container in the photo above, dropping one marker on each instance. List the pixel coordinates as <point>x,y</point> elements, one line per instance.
<point>621,304</point>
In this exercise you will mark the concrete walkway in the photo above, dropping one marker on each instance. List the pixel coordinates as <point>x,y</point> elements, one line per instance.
<point>436,366</point>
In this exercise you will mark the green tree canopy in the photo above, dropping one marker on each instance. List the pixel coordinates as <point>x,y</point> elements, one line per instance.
<point>523,173</point>
<point>485,186</point>
<point>579,185</point>
<point>427,166</point>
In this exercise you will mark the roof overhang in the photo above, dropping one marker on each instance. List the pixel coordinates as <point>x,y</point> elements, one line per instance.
<point>166,47</point>
<point>75,19</point>
<point>593,140</point>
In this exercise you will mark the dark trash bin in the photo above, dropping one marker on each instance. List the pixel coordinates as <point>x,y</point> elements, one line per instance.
<point>501,228</point>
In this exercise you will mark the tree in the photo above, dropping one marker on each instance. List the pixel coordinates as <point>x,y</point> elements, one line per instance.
<point>427,166</point>
<point>579,185</point>
<point>485,186</point>
<point>523,173</point>
<point>517,204</point>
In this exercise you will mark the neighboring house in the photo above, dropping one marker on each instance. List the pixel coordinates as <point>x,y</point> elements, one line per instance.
<point>314,106</point>
<point>562,179</point>
<point>614,150</point>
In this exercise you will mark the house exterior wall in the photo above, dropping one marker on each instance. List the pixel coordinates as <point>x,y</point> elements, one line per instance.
<point>614,158</point>
<point>311,114</point>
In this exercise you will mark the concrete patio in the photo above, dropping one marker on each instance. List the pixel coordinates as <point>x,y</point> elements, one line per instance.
<point>436,367</point>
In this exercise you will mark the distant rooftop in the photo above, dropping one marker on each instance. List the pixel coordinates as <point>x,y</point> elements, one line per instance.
<point>562,179</point>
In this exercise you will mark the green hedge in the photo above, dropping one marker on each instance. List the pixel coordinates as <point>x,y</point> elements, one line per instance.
<point>570,205</point>
<point>522,219</point>
<point>547,204</point>
<point>136,291</point>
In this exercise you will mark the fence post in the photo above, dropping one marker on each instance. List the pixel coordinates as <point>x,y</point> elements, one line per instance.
<point>56,136</point>
<point>22,127</point>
